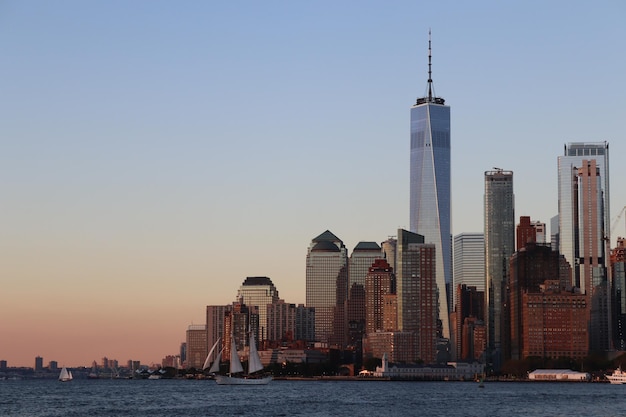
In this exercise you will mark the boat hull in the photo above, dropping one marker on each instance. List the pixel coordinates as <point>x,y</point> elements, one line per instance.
<point>231,380</point>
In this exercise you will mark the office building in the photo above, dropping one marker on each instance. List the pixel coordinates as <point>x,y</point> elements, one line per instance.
<point>196,347</point>
<point>499,226</point>
<point>618,301</point>
<point>259,292</point>
<point>327,287</point>
<point>530,267</point>
<point>430,210</point>
<point>571,209</point>
<point>469,262</point>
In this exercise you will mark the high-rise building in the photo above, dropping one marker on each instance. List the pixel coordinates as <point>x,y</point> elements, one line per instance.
<point>196,347</point>
<point>215,325</point>
<point>281,321</point>
<point>430,210</point>
<point>259,292</point>
<point>380,281</point>
<point>38,363</point>
<point>570,209</point>
<point>363,256</point>
<point>469,262</point>
<point>618,301</point>
<point>530,267</point>
<point>327,286</point>
<point>499,246</point>
<point>418,294</point>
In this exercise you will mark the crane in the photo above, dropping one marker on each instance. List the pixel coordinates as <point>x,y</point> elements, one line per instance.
<point>619,216</point>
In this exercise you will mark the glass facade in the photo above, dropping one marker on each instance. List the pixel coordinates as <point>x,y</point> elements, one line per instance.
<point>259,292</point>
<point>430,212</point>
<point>499,246</point>
<point>469,261</point>
<point>326,282</point>
<point>568,165</point>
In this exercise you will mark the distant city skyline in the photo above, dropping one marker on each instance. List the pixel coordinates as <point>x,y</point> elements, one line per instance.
<point>155,155</point>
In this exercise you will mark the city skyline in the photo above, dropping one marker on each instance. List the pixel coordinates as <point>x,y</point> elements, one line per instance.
<point>155,155</point>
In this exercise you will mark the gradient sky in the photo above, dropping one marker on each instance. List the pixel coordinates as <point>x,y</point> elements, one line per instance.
<point>155,153</point>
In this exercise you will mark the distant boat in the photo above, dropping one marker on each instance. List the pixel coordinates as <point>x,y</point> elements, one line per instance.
<point>236,375</point>
<point>65,375</point>
<point>617,377</point>
<point>94,372</point>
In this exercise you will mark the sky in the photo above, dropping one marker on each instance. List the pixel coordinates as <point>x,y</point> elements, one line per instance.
<point>156,153</point>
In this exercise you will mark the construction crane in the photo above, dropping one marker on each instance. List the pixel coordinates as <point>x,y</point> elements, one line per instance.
<point>619,216</point>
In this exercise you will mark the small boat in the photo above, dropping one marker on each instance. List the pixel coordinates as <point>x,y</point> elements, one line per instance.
<point>236,376</point>
<point>65,375</point>
<point>94,372</point>
<point>617,377</point>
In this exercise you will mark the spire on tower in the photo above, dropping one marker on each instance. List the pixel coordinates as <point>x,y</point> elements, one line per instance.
<point>431,98</point>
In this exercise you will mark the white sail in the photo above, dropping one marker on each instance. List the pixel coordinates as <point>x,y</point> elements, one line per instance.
<point>254,361</point>
<point>216,363</point>
<point>65,375</point>
<point>235,363</point>
<point>207,361</point>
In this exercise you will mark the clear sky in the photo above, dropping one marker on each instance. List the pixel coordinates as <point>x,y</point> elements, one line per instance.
<point>156,153</point>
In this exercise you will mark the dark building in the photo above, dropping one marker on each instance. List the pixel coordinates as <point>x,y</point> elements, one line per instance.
<point>469,313</point>
<point>529,268</point>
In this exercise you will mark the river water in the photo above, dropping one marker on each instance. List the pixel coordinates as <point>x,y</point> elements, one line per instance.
<point>39,398</point>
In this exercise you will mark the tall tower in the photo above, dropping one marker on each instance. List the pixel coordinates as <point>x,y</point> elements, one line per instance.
<point>469,261</point>
<point>430,211</point>
<point>417,292</point>
<point>499,246</point>
<point>259,292</point>
<point>327,285</point>
<point>568,164</point>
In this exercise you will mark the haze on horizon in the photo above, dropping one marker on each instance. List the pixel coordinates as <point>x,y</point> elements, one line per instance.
<point>154,154</point>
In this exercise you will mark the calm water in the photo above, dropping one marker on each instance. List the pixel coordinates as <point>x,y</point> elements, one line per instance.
<point>38,398</point>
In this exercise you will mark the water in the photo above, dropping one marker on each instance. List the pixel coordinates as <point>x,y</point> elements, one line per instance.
<point>48,398</point>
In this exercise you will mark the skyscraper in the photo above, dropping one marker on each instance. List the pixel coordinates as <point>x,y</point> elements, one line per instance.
<point>469,261</point>
<point>430,184</point>
<point>327,284</point>
<point>418,294</point>
<point>259,292</point>
<point>569,205</point>
<point>499,246</point>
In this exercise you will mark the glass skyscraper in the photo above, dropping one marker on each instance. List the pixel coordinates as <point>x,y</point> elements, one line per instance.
<point>569,206</point>
<point>469,261</point>
<point>430,211</point>
<point>327,285</point>
<point>499,246</point>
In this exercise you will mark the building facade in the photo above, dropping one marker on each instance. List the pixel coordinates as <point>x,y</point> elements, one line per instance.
<point>196,347</point>
<point>430,210</point>
<point>327,286</point>
<point>554,323</point>
<point>499,246</point>
<point>569,199</point>
<point>469,262</point>
<point>418,294</point>
<point>259,292</point>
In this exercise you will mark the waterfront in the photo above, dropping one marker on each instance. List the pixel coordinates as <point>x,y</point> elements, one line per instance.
<point>49,398</point>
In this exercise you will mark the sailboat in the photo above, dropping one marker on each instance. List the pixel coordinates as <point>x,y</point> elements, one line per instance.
<point>215,367</point>
<point>65,375</point>
<point>236,376</point>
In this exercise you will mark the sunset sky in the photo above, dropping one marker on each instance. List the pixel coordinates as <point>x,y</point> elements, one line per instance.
<point>156,153</point>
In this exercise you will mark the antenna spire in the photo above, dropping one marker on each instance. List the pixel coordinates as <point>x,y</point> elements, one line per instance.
<point>430,72</point>
<point>431,97</point>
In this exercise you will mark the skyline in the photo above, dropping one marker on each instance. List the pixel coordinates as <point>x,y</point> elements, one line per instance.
<point>134,195</point>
